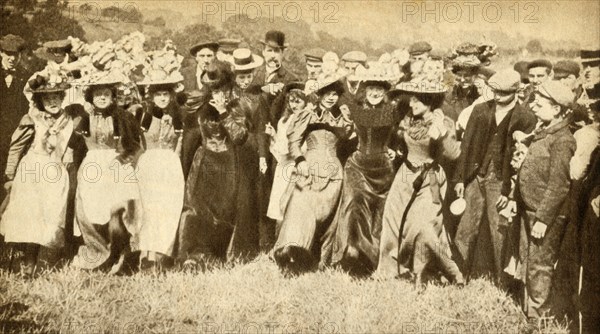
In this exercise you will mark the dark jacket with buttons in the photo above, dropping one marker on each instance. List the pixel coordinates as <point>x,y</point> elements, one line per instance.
<point>543,181</point>
<point>478,135</point>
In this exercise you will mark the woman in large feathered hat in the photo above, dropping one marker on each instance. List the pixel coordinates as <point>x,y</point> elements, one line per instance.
<point>314,192</point>
<point>412,213</point>
<point>48,142</point>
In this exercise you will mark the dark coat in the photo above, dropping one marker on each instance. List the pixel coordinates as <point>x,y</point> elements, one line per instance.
<point>543,181</point>
<point>478,136</point>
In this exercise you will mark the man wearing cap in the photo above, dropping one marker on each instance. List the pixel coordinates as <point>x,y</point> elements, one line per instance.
<point>352,61</point>
<point>226,48</point>
<point>542,187</point>
<point>204,53</point>
<point>539,71</point>
<point>314,62</point>
<point>13,104</point>
<point>521,67</point>
<point>55,51</point>
<point>483,172</point>
<point>418,51</point>
<point>273,76</point>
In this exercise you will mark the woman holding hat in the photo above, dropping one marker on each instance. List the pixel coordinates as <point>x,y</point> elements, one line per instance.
<point>107,199</point>
<point>219,219</point>
<point>285,108</point>
<point>47,141</point>
<point>368,175</point>
<point>160,175</point>
<point>413,238</point>
<point>313,195</point>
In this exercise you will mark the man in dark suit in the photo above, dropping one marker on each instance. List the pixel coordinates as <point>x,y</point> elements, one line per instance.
<point>13,104</point>
<point>273,76</point>
<point>204,53</point>
<point>483,173</point>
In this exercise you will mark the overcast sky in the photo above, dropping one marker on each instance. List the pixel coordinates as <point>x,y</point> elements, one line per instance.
<point>381,21</point>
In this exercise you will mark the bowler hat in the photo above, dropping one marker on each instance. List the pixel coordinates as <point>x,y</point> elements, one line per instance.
<point>12,43</point>
<point>275,39</point>
<point>564,68</point>
<point>214,46</point>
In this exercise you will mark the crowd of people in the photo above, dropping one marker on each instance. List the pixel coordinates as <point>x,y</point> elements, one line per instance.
<point>417,164</point>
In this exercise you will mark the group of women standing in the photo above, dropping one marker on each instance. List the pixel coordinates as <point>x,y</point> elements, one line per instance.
<point>119,163</point>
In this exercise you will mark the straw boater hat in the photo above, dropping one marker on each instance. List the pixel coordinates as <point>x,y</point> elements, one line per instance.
<point>245,60</point>
<point>429,80</point>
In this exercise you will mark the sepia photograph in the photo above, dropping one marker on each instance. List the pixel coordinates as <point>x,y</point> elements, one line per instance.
<point>308,166</point>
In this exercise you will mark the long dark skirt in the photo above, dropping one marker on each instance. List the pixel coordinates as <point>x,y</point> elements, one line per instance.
<point>357,225</point>
<point>219,219</point>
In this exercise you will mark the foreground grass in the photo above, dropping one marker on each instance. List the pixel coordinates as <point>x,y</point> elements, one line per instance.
<point>250,298</point>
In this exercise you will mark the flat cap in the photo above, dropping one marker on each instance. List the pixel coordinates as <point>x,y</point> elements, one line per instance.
<point>12,43</point>
<point>564,68</point>
<point>355,56</point>
<point>505,80</point>
<point>63,45</point>
<point>485,72</point>
<point>315,54</point>
<point>556,91</point>
<point>419,48</point>
<point>229,44</point>
<point>539,63</point>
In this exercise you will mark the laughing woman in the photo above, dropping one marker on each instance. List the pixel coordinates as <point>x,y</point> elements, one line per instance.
<point>47,142</point>
<point>411,209</point>
<point>368,176</point>
<point>314,195</point>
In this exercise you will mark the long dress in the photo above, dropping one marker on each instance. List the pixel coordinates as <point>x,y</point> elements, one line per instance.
<point>368,176</point>
<point>107,189</point>
<point>313,199</point>
<point>283,171</point>
<point>161,183</point>
<point>219,220</point>
<point>424,245</point>
<point>36,211</point>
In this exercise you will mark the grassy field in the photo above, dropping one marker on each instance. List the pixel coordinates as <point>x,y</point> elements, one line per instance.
<point>251,298</point>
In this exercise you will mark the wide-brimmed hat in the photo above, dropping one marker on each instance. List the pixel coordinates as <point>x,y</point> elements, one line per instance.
<point>376,74</point>
<point>275,39</point>
<point>328,81</point>
<point>206,44</point>
<point>106,78</point>
<point>160,77</point>
<point>245,60</point>
<point>46,82</point>
<point>12,43</point>
<point>428,80</point>
<point>468,62</point>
